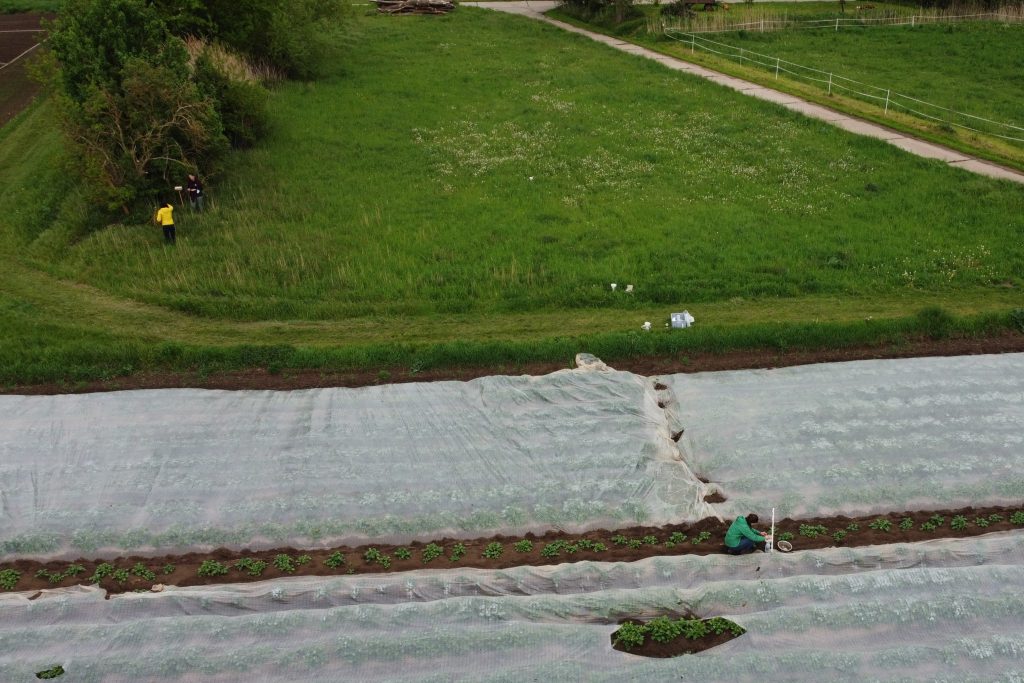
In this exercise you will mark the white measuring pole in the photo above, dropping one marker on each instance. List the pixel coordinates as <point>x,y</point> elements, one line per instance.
<point>771,548</point>
<point>776,68</point>
<point>837,24</point>
<point>887,101</point>
<point>693,42</point>
<point>830,84</point>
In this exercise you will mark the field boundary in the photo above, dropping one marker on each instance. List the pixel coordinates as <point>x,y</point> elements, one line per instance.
<point>768,25</point>
<point>833,81</point>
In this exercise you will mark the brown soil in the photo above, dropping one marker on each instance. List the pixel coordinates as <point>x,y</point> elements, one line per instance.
<point>259,378</point>
<point>187,565</point>
<point>675,647</point>
<point>715,497</point>
<point>17,89</point>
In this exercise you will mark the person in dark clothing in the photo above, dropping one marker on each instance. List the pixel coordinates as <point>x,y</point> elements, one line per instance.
<point>740,538</point>
<point>195,192</point>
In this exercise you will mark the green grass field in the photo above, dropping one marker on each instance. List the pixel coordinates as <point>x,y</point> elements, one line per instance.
<point>481,196</point>
<point>971,67</point>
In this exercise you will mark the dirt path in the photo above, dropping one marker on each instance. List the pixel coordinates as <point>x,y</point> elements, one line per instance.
<point>928,150</point>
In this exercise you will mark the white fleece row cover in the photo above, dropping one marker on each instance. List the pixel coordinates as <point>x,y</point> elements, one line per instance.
<point>859,437</point>
<point>177,469</point>
<point>944,610</point>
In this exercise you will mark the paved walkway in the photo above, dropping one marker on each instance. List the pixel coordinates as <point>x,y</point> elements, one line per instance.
<point>928,150</point>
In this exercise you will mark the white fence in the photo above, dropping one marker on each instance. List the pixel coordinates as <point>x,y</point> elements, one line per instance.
<point>832,82</point>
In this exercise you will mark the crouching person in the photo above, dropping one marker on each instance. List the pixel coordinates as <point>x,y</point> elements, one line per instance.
<point>740,538</point>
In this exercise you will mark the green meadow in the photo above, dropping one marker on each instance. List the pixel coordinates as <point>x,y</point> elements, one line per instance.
<point>464,189</point>
<point>971,68</point>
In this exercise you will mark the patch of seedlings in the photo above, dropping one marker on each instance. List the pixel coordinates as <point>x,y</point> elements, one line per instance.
<point>666,637</point>
<point>335,560</point>
<point>458,552</point>
<point>251,566</point>
<point>523,546</point>
<point>212,568</point>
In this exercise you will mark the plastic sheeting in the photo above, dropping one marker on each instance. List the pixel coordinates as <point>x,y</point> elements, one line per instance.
<point>940,610</point>
<point>175,469</point>
<point>859,437</point>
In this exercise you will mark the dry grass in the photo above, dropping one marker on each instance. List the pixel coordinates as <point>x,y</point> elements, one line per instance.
<point>230,63</point>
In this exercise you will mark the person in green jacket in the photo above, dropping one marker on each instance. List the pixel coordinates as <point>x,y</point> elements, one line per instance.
<point>740,538</point>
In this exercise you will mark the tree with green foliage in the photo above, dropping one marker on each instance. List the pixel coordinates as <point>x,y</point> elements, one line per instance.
<point>127,100</point>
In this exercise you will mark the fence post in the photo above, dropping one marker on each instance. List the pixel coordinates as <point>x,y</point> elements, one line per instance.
<point>887,101</point>
<point>830,84</point>
<point>837,24</point>
<point>741,54</point>
<point>912,17</point>
<point>693,42</point>
<point>776,68</point>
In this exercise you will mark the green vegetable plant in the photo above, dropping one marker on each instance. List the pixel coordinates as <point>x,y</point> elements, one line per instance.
<point>335,560</point>
<point>553,549</point>
<point>251,566</point>
<point>630,636</point>
<point>102,571</point>
<point>212,568</point>
<point>523,546</point>
<point>995,518</point>
<point>981,522</point>
<point>907,524</point>
<point>51,673</point>
<point>1017,518</point>
<point>677,537</point>
<point>54,577</point>
<point>881,524</point>
<point>599,547</point>
<point>650,539</point>
<point>373,555</point>
<point>9,578</point>
<point>403,553</point>
<point>431,551</point>
<point>720,625</point>
<point>168,569</point>
<point>458,552</point>
<point>634,543</point>
<point>812,530</point>
<point>701,537</point>
<point>839,536</point>
<point>663,629</point>
<point>786,536</point>
<point>694,629</point>
<point>619,539</point>
<point>121,576</point>
<point>303,559</point>
<point>853,526</point>
<point>285,563</point>
<point>929,526</point>
<point>958,523</point>
<point>143,572</point>
<point>493,551</point>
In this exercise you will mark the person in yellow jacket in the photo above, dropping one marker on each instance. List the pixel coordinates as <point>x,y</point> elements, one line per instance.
<point>165,218</point>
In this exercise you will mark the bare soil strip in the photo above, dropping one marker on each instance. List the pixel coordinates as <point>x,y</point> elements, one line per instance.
<point>17,89</point>
<point>650,366</point>
<point>622,545</point>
